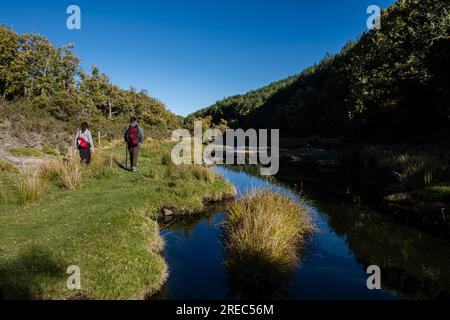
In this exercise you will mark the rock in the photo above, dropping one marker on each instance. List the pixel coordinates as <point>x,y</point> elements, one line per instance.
<point>167,212</point>
<point>399,198</point>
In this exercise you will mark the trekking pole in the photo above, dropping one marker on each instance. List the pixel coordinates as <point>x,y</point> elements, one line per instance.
<point>126,156</point>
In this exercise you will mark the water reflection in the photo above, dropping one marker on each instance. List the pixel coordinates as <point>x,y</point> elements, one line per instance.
<point>350,237</point>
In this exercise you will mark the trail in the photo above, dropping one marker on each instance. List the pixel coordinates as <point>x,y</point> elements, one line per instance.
<point>23,163</point>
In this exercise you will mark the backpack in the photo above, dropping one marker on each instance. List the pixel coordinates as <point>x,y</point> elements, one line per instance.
<point>133,136</point>
<point>83,143</point>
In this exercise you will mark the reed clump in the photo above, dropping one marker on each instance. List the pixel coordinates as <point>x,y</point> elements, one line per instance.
<point>264,231</point>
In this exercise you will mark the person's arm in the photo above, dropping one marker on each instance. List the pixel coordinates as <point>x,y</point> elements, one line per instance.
<point>141,134</point>
<point>90,140</point>
<point>125,135</point>
<point>75,142</point>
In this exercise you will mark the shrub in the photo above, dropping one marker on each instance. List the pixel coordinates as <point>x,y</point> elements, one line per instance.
<point>6,166</point>
<point>263,232</point>
<point>30,186</point>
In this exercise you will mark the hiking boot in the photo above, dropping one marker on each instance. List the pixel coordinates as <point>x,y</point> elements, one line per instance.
<point>134,169</point>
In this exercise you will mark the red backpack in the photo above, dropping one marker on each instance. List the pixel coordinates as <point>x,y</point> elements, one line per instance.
<point>83,143</point>
<point>133,136</point>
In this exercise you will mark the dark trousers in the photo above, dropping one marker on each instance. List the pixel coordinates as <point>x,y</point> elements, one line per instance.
<point>85,155</point>
<point>134,153</point>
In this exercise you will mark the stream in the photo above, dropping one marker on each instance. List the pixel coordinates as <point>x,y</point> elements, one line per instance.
<point>334,259</point>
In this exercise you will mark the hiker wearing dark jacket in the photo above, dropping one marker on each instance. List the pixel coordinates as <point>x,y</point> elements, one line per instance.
<point>84,143</point>
<point>134,136</point>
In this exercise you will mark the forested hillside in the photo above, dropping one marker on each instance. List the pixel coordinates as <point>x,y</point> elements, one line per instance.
<point>43,88</point>
<point>388,85</point>
<point>235,108</point>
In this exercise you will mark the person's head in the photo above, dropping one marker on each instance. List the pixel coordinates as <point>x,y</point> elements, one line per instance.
<point>84,126</point>
<point>133,121</point>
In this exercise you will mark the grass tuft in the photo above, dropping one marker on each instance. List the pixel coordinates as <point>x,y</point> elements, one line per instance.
<point>263,233</point>
<point>69,173</point>
<point>30,186</point>
<point>202,173</point>
<point>103,166</point>
<point>50,170</point>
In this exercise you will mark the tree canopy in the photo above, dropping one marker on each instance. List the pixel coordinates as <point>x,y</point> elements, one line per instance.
<point>51,80</point>
<point>388,85</point>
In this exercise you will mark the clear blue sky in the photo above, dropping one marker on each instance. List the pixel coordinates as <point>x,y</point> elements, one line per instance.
<point>191,53</point>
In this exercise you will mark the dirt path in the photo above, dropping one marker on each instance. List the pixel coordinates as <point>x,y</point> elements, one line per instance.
<point>22,163</point>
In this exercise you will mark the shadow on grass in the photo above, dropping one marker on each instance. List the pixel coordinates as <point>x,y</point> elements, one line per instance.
<point>254,275</point>
<point>23,277</point>
<point>120,165</point>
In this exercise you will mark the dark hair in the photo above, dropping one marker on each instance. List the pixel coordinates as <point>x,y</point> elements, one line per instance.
<point>133,119</point>
<point>84,126</point>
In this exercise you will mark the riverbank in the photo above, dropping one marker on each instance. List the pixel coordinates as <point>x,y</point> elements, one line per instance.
<point>410,182</point>
<point>107,227</point>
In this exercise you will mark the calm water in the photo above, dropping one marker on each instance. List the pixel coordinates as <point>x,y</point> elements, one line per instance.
<point>349,238</point>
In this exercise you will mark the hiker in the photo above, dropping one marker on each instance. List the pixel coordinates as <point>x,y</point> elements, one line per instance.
<point>84,143</point>
<point>134,136</point>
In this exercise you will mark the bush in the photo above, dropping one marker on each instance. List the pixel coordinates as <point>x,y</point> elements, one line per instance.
<point>263,232</point>
<point>30,186</point>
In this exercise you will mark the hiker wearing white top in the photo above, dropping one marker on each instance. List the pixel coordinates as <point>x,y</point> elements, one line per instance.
<point>84,143</point>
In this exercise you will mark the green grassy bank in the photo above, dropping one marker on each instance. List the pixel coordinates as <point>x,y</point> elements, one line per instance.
<point>106,226</point>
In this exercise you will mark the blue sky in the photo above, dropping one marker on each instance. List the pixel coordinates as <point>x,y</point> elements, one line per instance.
<point>191,53</point>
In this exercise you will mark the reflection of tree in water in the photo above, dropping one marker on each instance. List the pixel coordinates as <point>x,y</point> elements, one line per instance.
<point>185,224</point>
<point>412,262</point>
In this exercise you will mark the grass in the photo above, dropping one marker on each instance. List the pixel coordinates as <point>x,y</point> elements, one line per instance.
<point>26,152</point>
<point>102,167</point>
<point>105,226</point>
<point>6,166</point>
<point>263,233</point>
<point>414,168</point>
<point>437,192</point>
<point>30,186</point>
<point>47,149</point>
<point>69,173</point>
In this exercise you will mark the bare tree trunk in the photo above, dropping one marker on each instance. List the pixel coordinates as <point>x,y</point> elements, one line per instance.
<point>4,91</point>
<point>110,109</point>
